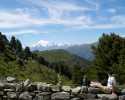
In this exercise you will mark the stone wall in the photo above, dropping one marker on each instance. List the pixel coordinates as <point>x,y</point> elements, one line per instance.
<point>26,90</point>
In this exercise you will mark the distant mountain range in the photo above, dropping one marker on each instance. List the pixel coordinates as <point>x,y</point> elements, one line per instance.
<point>83,50</point>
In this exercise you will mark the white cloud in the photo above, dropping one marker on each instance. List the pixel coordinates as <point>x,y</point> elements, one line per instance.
<point>24,17</point>
<point>112,10</point>
<point>118,20</point>
<point>20,19</point>
<point>58,9</point>
<point>27,31</point>
<point>10,19</point>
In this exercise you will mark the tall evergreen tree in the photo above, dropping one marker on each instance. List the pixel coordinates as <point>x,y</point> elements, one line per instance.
<point>19,49</point>
<point>108,56</point>
<point>13,43</point>
<point>27,52</point>
<point>1,43</point>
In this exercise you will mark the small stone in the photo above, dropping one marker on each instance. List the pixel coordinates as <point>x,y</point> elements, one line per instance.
<point>11,79</point>
<point>26,82</point>
<point>9,90</point>
<point>75,99</point>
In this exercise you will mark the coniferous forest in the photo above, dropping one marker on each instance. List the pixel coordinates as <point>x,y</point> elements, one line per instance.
<point>45,66</point>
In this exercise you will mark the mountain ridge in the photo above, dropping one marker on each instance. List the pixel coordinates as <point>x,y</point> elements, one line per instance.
<point>81,50</point>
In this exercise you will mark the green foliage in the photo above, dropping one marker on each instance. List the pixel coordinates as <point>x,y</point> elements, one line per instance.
<point>110,57</point>
<point>77,75</point>
<point>13,43</point>
<point>3,42</point>
<point>22,63</point>
<point>56,55</point>
<point>27,52</point>
<point>65,63</point>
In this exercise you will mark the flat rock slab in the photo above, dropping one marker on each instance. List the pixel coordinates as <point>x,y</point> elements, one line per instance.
<point>55,88</point>
<point>60,96</point>
<point>43,96</point>
<point>94,90</point>
<point>107,97</point>
<point>25,96</point>
<point>66,88</point>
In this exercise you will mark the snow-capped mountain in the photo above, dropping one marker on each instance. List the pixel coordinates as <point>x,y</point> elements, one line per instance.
<point>46,45</point>
<point>83,50</point>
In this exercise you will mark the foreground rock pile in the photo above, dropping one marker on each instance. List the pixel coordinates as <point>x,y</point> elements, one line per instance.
<point>26,90</point>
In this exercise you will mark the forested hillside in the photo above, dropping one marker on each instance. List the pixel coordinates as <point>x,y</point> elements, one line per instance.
<point>38,66</point>
<point>21,63</point>
<point>46,65</point>
<point>65,63</point>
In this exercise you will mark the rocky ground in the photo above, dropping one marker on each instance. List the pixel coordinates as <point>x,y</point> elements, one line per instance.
<point>10,89</point>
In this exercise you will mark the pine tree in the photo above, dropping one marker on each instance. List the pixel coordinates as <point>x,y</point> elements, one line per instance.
<point>2,46</point>
<point>107,55</point>
<point>13,43</point>
<point>27,52</point>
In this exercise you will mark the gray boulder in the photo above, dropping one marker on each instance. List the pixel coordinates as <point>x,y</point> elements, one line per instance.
<point>60,96</point>
<point>9,90</point>
<point>108,96</point>
<point>76,90</point>
<point>1,85</point>
<point>44,87</point>
<point>10,86</point>
<point>27,82</point>
<point>1,93</point>
<point>122,97</point>
<point>11,79</point>
<point>12,95</point>
<point>94,90</point>
<point>56,88</point>
<point>123,91</point>
<point>43,96</point>
<point>88,96</point>
<point>25,96</point>
<point>66,88</point>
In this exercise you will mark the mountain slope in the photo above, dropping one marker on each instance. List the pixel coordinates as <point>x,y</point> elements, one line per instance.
<point>83,50</point>
<point>65,63</point>
<point>60,55</point>
<point>22,63</point>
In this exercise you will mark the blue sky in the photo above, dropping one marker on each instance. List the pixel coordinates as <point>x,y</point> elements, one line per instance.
<point>61,21</point>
